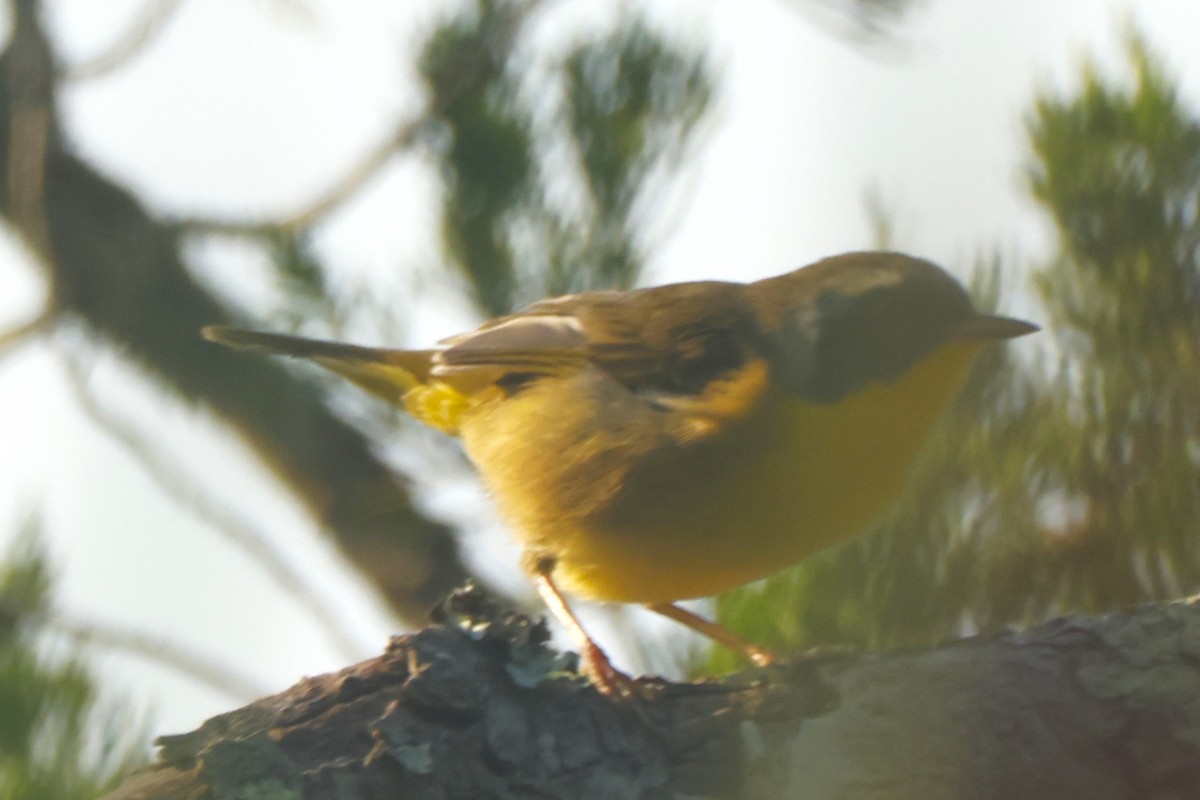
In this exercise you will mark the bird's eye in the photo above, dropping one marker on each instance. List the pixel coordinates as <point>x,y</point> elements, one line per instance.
<point>699,359</point>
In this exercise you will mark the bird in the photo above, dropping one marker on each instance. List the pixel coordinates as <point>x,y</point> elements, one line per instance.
<point>655,445</point>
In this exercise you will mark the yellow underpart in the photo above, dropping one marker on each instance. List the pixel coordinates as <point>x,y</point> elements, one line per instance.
<point>594,480</point>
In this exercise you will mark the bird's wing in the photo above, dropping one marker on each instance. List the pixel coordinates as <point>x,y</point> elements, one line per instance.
<point>605,330</point>
<point>517,347</point>
<point>685,347</point>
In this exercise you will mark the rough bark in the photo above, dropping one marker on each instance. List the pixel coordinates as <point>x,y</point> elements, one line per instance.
<point>473,707</point>
<point>115,268</point>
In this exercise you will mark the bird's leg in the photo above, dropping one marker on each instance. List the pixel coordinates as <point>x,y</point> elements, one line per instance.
<point>594,663</point>
<point>718,633</point>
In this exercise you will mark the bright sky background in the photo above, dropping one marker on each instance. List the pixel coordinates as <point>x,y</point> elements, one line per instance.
<point>249,107</point>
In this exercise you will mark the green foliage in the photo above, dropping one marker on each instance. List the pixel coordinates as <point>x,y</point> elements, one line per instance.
<point>547,168</point>
<point>47,703</point>
<point>301,276</point>
<point>487,143</point>
<point>1125,293</point>
<point>632,104</point>
<point>1058,487</point>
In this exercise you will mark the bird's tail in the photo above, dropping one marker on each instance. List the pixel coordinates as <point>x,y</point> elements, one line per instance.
<point>390,374</point>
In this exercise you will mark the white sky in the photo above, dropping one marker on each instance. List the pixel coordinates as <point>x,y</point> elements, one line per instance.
<point>248,107</point>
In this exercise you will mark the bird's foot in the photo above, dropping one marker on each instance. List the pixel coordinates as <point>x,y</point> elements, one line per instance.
<point>608,680</point>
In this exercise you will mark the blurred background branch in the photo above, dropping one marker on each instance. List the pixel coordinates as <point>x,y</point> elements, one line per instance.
<point>116,269</point>
<point>1065,481</point>
<point>163,469</point>
<point>189,662</point>
<point>152,20</point>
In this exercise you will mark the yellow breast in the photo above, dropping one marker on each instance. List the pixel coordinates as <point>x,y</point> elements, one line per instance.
<point>593,477</point>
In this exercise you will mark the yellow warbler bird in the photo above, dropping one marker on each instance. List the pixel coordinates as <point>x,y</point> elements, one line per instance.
<point>660,444</point>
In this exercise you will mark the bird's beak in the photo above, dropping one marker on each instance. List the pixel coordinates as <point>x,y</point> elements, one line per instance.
<point>988,326</point>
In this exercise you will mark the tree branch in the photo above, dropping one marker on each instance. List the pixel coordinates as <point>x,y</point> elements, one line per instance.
<point>129,45</point>
<point>24,331</point>
<point>469,72</point>
<point>187,661</point>
<point>347,186</point>
<point>117,269</point>
<point>475,708</point>
<point>236,530</point>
